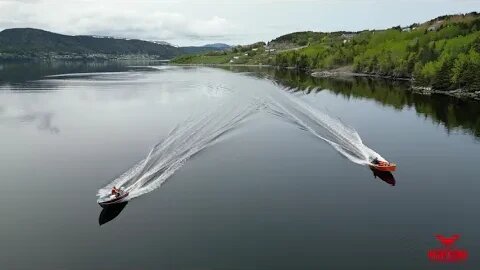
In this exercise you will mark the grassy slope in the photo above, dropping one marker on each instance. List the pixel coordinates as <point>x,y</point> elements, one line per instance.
<point>254,54</point>
<point>202,59</point>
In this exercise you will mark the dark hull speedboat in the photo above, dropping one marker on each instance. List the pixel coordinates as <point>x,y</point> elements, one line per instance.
<point>112,199</point>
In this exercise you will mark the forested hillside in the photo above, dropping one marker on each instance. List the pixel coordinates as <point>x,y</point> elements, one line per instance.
<point>28,43</point>
<point>443,53</point>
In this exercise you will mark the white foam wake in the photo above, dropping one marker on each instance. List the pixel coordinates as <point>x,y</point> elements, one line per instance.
<point>194,135</point>
<point>182,143</point>
<point>342,137</point>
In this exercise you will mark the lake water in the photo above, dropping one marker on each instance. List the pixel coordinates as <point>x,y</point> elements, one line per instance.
<point>267,194</point>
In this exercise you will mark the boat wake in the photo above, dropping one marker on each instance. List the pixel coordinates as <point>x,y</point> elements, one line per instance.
<point>182,143</point>
<point>342,137</point>
<point>196,134</point>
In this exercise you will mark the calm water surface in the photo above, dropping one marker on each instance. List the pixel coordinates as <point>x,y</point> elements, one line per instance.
<point>267,196</point>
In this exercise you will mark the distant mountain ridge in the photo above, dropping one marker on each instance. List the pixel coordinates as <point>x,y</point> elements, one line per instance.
<point>25,43</point>
<point>222,46</point>
<point>205,48</point>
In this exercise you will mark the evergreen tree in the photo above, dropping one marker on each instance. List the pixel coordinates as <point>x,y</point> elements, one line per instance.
<point>442,79</point>
<point>302,62</point>
<point>476,45</point>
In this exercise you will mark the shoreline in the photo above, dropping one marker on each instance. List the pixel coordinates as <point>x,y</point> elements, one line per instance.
<point>458,93</point>
<point>5,59</point>
<point>342,73</point>
<point>219,65</point>
<point>422,90</point>
<point>347,73</point>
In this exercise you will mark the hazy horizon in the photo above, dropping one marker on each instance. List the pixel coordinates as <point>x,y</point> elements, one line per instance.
<point>181,23</point>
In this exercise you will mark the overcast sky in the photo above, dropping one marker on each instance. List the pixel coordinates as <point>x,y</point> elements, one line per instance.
<point>194,22</point>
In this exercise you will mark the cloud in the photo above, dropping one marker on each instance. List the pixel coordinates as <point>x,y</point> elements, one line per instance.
<point>205,21</point>
<point>121,19</point>
<point>153,26</point>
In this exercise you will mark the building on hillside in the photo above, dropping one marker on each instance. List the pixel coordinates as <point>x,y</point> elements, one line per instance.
<point>348,36</point>
<point>435,26</point>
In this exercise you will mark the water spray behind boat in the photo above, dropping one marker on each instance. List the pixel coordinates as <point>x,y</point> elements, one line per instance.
<point>197,133</point>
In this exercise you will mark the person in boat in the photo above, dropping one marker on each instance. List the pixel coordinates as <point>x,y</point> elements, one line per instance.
<point>376,161</point>
<point>115,191</point>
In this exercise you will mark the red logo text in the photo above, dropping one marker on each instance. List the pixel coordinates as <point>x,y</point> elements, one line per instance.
<point>447,253</point>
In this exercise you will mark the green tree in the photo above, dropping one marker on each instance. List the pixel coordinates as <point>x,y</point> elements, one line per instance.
<point>442,78</point>
<point>303,63</point>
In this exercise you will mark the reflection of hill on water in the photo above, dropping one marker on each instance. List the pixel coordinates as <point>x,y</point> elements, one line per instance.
<point>22,74</point>
<point>451,112</point>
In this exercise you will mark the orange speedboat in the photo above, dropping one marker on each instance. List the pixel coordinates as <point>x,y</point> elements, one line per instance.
<point>383,166</point>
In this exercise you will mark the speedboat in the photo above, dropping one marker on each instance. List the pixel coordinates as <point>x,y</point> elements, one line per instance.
<point>110,199</point>
<point>383,166</point>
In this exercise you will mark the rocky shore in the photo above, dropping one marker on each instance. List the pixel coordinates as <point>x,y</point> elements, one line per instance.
<point>458,93</point>
<point>347,72</point>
